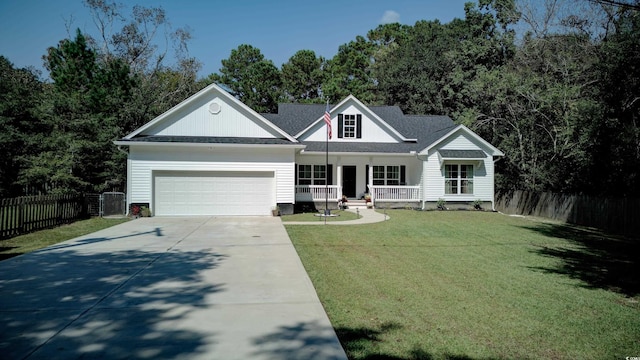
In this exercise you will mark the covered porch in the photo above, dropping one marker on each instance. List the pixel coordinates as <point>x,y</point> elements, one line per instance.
<point>378,193</point>
<point>387,178</point>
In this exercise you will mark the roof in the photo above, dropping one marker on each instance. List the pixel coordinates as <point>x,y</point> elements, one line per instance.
<point>413,133</point>
<point>208,140</point>
<point>462,154</point>
<point>427,129</point>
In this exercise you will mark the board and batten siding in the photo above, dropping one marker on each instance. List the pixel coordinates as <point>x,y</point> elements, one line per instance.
<point>195,119</point>
<point>144,160</point>
<point>372,130</point>
<point>483,179</point>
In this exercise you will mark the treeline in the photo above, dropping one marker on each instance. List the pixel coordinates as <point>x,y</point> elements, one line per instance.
<point>557,88</point>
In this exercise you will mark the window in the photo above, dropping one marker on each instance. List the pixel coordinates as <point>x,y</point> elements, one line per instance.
<point>349,126</point>
<point>458,179</point>
<point>378,175</point>
<point>312,174</point>
<point>386,175</point>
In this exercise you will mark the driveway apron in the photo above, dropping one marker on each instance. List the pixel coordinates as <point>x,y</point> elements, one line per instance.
<point>160,288</point>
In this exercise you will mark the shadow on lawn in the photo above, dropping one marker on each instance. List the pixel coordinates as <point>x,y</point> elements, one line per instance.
<point>68,303</point>
<point>598,259</point>
<point>4,256</point>
<point>314,342</point>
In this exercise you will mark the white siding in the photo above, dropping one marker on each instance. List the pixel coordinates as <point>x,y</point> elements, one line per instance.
<point>460,142</point>
<point>372,130</point>
<point>195,119</point>
<point>144,160</point>
<point>483,181</point>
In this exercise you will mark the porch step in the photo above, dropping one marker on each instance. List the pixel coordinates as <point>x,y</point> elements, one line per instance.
<point>356,204</point>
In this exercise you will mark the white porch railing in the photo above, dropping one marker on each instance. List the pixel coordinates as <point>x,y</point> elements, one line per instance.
<point>395,193</point>
<point>317,192</point>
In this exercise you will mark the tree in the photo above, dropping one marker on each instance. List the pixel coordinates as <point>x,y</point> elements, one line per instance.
<point>136,40</point>
<point>20,94</point>
<point>411,75</point>
<point>302,77</point>
<point>251,78</point>
<point>349,72</point>
<point>79,119</point>
<point>616,141</point>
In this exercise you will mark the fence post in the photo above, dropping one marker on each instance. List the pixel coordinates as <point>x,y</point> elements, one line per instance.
<point>20,210</point>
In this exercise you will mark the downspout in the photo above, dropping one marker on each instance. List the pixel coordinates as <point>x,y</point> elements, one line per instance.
<point>422,183</point>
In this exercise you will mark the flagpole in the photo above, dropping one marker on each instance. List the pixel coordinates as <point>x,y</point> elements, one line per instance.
<point>327,212</point>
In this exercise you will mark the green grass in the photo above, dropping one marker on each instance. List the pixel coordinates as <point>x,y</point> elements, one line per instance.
<point>341,216</point>
<point>33,241</point>
<point>475,285</point>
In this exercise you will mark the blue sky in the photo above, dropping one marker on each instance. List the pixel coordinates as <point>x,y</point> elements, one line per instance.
<point>279,28</point>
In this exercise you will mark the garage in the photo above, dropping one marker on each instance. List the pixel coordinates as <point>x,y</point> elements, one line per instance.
<point>213,193</point>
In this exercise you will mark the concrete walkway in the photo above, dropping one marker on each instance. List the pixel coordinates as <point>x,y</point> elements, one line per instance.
<point>368,216</point>
<point>165,288</point>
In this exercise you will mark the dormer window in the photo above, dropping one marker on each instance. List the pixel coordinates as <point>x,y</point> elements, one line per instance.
<point>350,126</point>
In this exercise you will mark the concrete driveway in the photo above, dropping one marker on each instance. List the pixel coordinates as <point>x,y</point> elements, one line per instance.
<point>158,288</point>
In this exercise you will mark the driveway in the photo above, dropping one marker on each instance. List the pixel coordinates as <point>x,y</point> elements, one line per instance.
<point>158,288</point>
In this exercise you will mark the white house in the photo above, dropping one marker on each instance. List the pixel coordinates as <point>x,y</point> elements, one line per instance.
<point>213,155</point>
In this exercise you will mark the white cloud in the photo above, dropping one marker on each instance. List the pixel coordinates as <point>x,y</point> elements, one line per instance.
<point>390,17</point>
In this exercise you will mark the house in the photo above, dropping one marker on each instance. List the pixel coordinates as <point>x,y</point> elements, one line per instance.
<point>213,155</point>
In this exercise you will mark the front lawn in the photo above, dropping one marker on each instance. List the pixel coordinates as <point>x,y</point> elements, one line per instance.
<point>339,215</point>
<point>37,240</point>
<point>469,285</point>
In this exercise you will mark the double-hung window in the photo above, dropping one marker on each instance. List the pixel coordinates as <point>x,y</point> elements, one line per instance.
<point>312,174</point>
<point>386,175</point>
<point>350,126</point>
<point>458,179</point>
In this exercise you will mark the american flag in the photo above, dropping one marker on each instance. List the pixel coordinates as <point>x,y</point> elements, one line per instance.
<point>327,119</point>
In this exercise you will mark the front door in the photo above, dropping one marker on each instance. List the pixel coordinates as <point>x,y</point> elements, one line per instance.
<point>349,181</point>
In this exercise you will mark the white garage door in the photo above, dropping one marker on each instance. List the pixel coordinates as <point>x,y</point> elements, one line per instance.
<point>214,193</point>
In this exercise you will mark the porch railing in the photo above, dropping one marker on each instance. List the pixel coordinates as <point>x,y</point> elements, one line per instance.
<point>317,192</point>
<point>395,193</point>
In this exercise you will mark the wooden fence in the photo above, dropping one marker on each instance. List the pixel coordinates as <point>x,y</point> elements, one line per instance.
<point>618,215</point>
<point>30,213</point>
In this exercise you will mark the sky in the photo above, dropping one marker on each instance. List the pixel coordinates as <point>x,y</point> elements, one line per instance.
<point>279,28</point>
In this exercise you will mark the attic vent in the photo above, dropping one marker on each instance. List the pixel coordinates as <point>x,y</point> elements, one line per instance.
<point>214,108</point>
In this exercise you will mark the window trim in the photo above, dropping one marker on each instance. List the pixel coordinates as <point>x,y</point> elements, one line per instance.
<point>343,128</point>
<point>460,181</point>
<point>314,169</point>
<point>392,175</point>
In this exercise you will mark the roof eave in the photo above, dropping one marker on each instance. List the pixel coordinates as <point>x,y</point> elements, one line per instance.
<point>190,144</point>
<point>345,153</point>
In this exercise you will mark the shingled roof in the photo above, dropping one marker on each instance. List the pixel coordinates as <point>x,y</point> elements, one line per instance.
<point>293,118</point>
<point>207,140</point>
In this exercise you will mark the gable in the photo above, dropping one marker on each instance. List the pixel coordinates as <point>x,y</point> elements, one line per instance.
<point>211,112</point>
<point>352,121</point>
<point>462,140</point>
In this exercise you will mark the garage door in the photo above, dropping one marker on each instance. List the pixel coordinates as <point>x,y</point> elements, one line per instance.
<point>214,193</point>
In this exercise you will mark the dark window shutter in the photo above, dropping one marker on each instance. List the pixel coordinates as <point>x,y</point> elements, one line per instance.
<point>359,126</point>
<point>329,174</point>
<point>340,125</point>
<point>403,175</point>
<point>296,171</point>
<point>366,185</point>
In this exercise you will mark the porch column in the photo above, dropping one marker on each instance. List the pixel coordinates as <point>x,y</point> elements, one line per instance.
<point>370,174</point>
<point>339,176</point>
